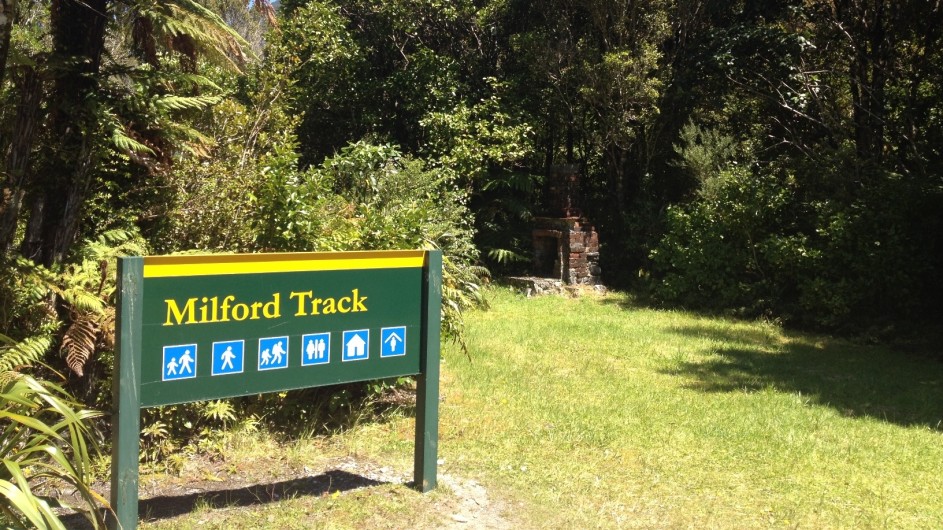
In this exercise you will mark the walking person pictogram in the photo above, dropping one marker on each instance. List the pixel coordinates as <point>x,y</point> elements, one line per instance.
<point>228,357</point>
<point>185,361</point>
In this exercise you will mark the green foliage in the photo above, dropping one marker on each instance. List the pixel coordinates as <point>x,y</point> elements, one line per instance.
<point>712,255</point>
<point>171,433</point>
<point>27,352</point>
<point>755,244</point>
<point>69,311</point>
<point>705,152</point>
<point>473,140</point>
<point>44,439</point>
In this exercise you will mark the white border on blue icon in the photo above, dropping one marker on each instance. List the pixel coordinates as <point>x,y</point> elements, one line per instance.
<point>366,346</point>
<point>242,357</point>
<point>163,366</point>
<point>401,336</point>
<point>269,365</point>
<point>317,358</point>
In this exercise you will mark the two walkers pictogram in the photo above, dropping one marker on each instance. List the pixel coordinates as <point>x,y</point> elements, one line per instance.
<point>179,362</point>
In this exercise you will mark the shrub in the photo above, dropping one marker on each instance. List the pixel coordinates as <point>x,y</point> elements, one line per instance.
<point>759,243</point>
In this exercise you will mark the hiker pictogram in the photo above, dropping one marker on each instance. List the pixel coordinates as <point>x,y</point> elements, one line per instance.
<point>273,353</point>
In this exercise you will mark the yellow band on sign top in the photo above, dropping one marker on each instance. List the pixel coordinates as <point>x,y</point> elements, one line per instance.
<point>221,264</point>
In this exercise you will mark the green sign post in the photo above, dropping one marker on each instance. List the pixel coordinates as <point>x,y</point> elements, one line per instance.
<point>194,328</point>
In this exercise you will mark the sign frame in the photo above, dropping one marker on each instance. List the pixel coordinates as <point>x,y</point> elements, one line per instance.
<point>132,334</point>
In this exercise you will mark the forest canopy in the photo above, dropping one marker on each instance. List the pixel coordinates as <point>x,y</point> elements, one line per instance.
<point>766,158</point>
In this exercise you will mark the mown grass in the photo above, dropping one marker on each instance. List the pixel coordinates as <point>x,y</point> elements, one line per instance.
<point>593,413</point>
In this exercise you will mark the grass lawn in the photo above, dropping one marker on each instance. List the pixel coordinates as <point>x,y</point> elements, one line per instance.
<point>593,413</point>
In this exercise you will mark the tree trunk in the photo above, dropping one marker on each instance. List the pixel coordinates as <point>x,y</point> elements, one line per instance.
<point>78,29</point>
<point>868,23</point>
<point>29,87</point>
<point>7,15</point>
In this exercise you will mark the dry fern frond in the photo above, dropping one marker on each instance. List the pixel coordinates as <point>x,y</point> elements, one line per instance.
<point>78,344</point>
<point>106,330</point>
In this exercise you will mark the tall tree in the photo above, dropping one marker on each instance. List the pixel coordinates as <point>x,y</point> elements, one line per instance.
<point>84,126</point>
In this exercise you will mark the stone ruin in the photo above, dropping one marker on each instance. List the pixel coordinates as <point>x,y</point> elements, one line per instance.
<point>565,243</point>
<point>566,249</point>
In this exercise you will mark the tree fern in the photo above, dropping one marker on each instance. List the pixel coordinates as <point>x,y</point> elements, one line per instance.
<point>207,30</point>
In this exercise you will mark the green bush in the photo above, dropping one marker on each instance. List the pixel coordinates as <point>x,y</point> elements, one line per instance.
<point>756,242</point>
<point>371,197</point>
<point>713,254</point>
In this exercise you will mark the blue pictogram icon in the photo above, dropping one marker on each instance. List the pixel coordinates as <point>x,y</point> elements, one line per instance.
<point>273,353</point>
<point>393,341</point>
<point>179,362</point>
<point>315,349</point>
<point>229,357</point>
<point>356,345</point>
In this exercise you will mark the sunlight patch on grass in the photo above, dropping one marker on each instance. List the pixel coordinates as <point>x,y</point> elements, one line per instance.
<point>595,412</point>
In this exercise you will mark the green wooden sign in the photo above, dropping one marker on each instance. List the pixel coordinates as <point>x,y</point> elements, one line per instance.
<point>195,328</point>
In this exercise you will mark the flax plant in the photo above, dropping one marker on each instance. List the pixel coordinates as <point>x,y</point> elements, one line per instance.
<point>44,444</point>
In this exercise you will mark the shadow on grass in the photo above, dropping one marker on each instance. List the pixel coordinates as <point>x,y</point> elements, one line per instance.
<point>165,507</point>
<point>855,380</point>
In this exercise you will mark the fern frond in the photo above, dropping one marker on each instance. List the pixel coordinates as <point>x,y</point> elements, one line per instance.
<point>173,102</point>
<point>24,353</point>
<point>127,144</point>
<point>195,142</point>
<point>116,236</point>
<point>82,300</point>
<point>175,18</point>
<point>78,344</point>
<point>503,255</point>
<point>189,134</point>
<point>195,80</point>
<point>117,242</point>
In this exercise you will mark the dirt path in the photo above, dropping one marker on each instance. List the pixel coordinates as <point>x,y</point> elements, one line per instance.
<point>465,504</point>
